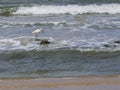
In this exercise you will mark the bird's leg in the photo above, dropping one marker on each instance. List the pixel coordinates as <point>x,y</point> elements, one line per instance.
<point>36,36</point>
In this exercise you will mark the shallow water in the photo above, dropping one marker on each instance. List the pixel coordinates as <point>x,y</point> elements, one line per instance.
<point>58,63</point>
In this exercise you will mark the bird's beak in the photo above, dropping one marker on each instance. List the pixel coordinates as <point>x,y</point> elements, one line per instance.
<point>43,31</point>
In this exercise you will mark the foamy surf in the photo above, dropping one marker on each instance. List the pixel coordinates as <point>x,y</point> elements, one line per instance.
<point>28,43</point>
<point>69,9</point>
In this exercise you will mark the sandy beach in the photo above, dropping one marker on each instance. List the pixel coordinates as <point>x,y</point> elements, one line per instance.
<point>67,83</point>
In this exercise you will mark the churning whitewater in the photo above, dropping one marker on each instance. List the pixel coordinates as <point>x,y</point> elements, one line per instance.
<point>69,9</point>
<point>62,9</point>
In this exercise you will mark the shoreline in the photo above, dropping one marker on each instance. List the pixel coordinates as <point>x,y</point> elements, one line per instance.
<point>66,83</point>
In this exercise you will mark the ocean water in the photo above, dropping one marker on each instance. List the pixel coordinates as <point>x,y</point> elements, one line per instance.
<point>84,36</point>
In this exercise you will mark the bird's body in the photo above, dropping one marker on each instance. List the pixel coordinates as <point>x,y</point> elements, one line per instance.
<point>36,32</point>
<point>40,41</point>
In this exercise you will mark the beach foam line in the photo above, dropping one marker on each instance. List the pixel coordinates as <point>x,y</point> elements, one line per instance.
<point>55,83</point>
<point>70,9</point>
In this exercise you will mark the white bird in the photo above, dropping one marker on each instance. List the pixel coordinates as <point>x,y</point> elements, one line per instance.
<point>36,32</point>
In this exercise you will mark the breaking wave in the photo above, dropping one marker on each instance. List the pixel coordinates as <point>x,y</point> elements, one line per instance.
<point>69,9</point>
<point>57,9</point>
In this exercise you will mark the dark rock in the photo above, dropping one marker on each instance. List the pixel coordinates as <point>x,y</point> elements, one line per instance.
<point>118,42</point>
<point>106,45</point>
<point>43,42</point>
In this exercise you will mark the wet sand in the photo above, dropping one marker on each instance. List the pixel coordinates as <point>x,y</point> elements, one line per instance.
<point>67,83</point>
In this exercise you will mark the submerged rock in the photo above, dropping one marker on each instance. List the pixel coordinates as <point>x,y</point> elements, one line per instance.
<point>38,39</point>
<point>110,46</point>
<point>106,45</point>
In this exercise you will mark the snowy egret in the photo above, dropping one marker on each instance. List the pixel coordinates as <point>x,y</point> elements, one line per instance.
<point>36,33</point>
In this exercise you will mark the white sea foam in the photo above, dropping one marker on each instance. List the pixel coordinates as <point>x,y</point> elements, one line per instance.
<point>71,9</point>
<point>7,24</point>
<point>28,43</point>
